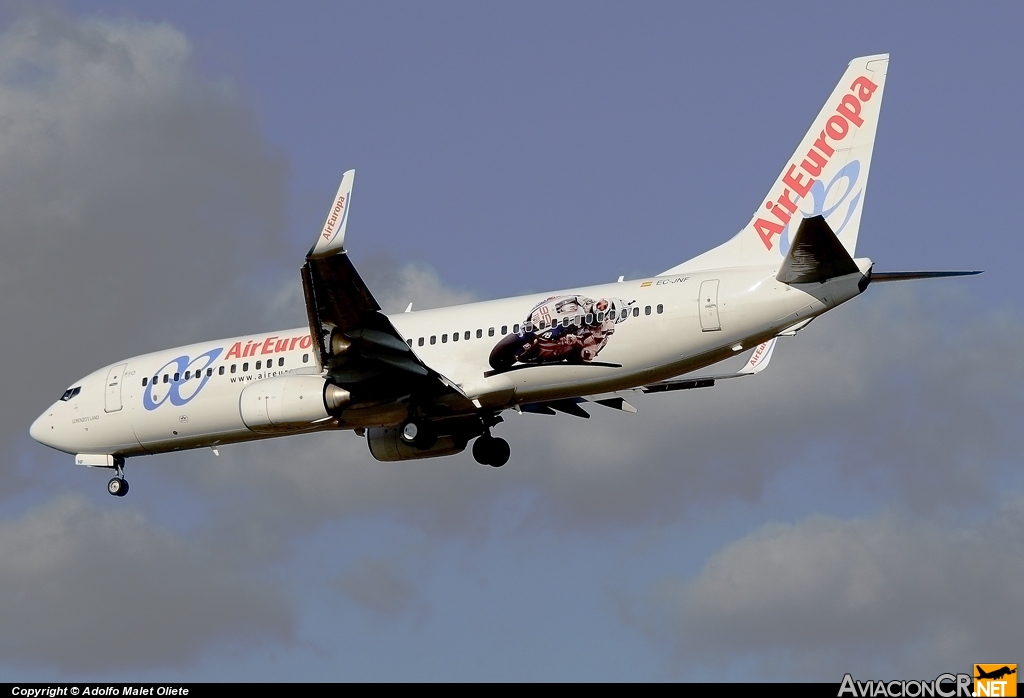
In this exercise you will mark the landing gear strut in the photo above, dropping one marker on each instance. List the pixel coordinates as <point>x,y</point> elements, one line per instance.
<point>118,486</point>
<point>491,450</point>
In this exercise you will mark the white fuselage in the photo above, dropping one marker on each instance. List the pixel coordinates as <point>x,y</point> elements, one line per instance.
<point>156,403</point>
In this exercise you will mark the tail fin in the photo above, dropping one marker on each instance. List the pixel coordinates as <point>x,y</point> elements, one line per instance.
<point>826,176</point>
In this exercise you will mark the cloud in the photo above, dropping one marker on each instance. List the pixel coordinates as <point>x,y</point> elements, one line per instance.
<point>876,596</point>
<point>378,585</point>
<point>128,183</point>
<point>393,285</point>
<point>89,590</point>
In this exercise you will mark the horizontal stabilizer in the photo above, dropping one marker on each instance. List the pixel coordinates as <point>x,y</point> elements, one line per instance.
<point>816,255</point>
<point>910,275</point>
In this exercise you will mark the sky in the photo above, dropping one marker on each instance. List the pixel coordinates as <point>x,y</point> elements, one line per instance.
<point>856,508</point>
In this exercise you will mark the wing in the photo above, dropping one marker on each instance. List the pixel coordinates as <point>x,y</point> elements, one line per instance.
<point>355,343</point>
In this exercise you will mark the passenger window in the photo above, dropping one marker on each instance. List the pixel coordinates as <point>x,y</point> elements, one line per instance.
<point>444,339</point>
<point>490,331</point>
<point>234,367</point>
<point>166,378</point>
<point>419,342</point>
<point>145,379</point>
<point>188,374</point>
<point>647,310</point>
<point>305,358</point>
<point>636,311</point>
<point>433,339</point>
<point>156,379</point>
<point>258,365</point>
<point>589,319</point>
<point>600,316</point>
<point>177,377</point>
<point>455,336</point>
<point>209,372</point>
<point>245,367</point>
<point>409,342</point>
<point>280,362</point>
<point>220,371</point>
<point>515,329</point>
<point>479,334</point>
<point>661,308</point>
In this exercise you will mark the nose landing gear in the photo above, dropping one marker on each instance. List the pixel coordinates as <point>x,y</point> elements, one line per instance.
<point>118,486</point>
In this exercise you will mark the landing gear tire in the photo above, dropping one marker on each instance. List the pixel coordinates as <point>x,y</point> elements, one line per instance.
<point>117,486</point>
<point>492,451</point>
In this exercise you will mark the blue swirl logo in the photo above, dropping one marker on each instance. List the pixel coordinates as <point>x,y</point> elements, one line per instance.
<point>839,189</point>
<point>179,392</point>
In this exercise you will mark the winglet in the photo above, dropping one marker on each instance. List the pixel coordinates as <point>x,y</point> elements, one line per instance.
<point>332,234</point>
<point>759,359</point>
<point>757,363</point>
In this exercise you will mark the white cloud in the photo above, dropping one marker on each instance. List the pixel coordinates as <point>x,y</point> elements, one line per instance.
<point>89,590</point>
<point>379,585</point>
<point>879,597</point>
<point>127,183</point>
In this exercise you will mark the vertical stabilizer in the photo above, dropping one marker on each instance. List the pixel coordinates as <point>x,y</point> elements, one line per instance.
<point>827,176</point>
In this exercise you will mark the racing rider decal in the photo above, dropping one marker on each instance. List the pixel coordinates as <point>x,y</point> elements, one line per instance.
<point>561,329</point>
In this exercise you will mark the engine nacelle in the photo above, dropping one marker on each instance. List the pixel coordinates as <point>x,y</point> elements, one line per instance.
<point>386,444</point>
<point>289,402</point>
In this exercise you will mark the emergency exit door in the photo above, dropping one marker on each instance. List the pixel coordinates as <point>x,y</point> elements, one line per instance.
<point>708,306</point>
<point>115,377</point>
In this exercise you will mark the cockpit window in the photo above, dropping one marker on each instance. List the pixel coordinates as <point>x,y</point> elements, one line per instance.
<point>70,393</point>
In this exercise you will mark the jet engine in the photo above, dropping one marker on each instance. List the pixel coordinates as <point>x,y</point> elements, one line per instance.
<point>289,402</point>
<point>386,444</point>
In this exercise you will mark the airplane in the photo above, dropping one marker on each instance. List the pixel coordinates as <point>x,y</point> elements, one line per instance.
<point>422,384</point>
<point>995,673</point>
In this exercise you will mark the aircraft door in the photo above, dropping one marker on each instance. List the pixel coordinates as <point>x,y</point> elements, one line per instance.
<point>708,306</point>
<point>115,377</point>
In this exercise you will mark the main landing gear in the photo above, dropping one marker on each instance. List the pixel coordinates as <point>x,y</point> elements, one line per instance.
<point>491,450</point>
<point>118,486</point>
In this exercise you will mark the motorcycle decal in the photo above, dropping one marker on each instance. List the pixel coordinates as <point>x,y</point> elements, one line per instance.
<point>561,329</point>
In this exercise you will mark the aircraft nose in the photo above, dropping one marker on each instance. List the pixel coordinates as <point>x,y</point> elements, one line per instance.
<point>41,429</point>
